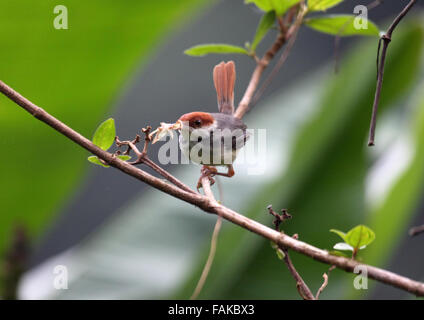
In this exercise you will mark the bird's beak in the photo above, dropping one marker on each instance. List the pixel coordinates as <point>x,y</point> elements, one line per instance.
<point>165,129</point>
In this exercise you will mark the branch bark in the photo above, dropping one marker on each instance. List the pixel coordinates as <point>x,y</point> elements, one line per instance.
<point>416,230</point>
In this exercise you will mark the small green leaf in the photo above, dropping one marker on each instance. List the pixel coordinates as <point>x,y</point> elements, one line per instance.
<point>322,5</point>
<point>267,21</point>
<point>343,25</point>
<point>204,49</point>
<point>339,253</point>
<point>96,160</point>
<point>279,6</point>
<point>124,157</point>
<point>264,5</point>
<point>280,254</point>
<point>360,236</point>
<point>341,234</point>
<point>105,134</point>
<point>343,246</point>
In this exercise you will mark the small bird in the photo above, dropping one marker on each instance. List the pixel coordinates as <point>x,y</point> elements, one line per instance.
<point>214,139</point>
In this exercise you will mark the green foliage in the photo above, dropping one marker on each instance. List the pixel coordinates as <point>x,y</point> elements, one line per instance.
<point>357,238</point>
<point>74,74</point>
<point>279,6</point>
<point>105,134</point>
<point>103,138</point>
<point>96,160</point>
<point>204,49</point>
<point>267,21</point>
<point>341,25</point>
<point>360,236</point>
<point>322,5</point>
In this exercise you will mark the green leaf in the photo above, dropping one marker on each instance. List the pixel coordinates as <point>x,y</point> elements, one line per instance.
<point>265,24</point>
<point>264,5</point>
<point>124,157</point>
<point>341,234</point>
<point>95,160</point>
<point>279,6</point>
<point>280,254</point>
<point>278,251</point>
<point>105,134</point>
<point>360,236</point>
<point>339,253</point>
<point>342,25</point>
<point>322,5</point>
<point>204,49</point>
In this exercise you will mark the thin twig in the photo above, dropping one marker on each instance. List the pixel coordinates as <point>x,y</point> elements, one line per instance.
<point>205,272</point>
<point>291,36</point>
<point>325,282</point>
<point>416,230</point>
<point>210,206</point>
<point>323,286</point>
<point>301,286</point>
<point>261,65</point>
<point>143,158</point>
<point>381,60</point>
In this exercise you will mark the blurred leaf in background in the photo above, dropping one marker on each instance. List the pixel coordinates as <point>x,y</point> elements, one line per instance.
<point>75,75</point>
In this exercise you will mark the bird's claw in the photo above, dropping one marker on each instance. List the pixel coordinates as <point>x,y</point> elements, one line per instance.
<point>206,172</point>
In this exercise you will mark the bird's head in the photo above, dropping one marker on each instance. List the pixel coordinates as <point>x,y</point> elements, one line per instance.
<point>197,120</point>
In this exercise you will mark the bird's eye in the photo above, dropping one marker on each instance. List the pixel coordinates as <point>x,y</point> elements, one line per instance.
<point>197,122</point>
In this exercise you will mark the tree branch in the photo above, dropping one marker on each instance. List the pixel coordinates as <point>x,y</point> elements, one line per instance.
<point>210,205</point>
<point>414,231</point>
<point>383,44</point>
<point>283,36</point>
<point>301,286</point>
<point>206,184</point>
<point>143,158</point>
<point>291,36</point>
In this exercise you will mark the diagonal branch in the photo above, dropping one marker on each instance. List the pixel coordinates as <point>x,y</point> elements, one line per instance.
<point>301,286</point>
<point>283,36</point>
<point>212,206</point>
<point>383,44</point>
<point>414,231</point>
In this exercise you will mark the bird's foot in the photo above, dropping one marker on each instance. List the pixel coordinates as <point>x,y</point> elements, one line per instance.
<point>208,172</point>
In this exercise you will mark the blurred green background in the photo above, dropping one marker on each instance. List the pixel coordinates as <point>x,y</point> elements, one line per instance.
<point>318,165</point>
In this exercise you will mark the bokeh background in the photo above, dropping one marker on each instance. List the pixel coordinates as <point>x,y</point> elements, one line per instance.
<point>122,240</point>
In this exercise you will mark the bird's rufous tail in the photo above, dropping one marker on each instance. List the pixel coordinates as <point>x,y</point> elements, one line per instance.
<point>224,77</point>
